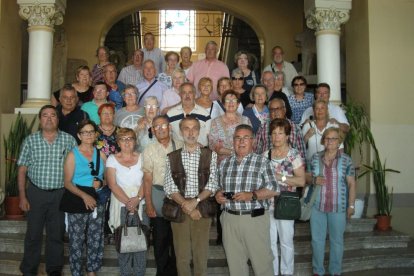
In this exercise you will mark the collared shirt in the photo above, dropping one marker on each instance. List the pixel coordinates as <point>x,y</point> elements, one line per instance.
<point>263,142</point>
<point>130,75</point>
<point>287,68</point>
<point>170,97</point>
<point>156,90</point>
<point>69,122</point>
<point>253,173</point>
<point>44,160</point>
<point>156,56</point>
<point>176,114</point>
<point>92,109</point>
<point>299,106</point>
<point>154,156</point>
<point>190,164</point>
<point>213,69</point>
<point>335,112</point>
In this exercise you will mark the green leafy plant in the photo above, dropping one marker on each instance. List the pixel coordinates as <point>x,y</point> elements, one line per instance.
<point>19,130</point>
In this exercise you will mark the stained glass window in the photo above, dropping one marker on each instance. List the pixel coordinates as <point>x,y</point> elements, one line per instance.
<point>177,29</point>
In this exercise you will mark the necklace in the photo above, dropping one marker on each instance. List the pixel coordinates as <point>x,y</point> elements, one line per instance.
<point>107,130</point>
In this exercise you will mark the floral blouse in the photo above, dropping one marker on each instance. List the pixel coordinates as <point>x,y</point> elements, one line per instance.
<point>107,144</point>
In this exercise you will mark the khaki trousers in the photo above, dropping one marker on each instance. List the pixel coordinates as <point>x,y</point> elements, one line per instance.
<point>191,240</point>
<point>244,238</point>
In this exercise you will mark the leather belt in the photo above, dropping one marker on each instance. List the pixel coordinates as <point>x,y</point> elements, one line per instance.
<point>239,213</point>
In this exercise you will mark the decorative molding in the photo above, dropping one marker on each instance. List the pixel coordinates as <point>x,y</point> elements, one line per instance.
<point>326,19</point>
<point>42,14</point>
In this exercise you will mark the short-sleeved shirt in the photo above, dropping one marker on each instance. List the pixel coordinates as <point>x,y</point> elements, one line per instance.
<point>130,75</point>
<point>69,122</point>
<point>156,56</point>
<point>154,157</point>
<point>126,176</point>
<point>299,106</point>
<point>190,164</point>
<point>44,160</point>
<point>92,109</point>
<point>157,90</point>
<point>129,119</point>
<point>333,110</point>
<point>253,173</point>
<point>115,95</point>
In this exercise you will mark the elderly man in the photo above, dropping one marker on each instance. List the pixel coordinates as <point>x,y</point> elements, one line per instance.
<point>246,180</point>
<point>114,86</point>
<point>187,107</point>
<point>154,54</point>
<point>149,86</point>
<point>279,64</point>
<point>132,74</point>
<point>209,67</point>
<point>41,164</point>
<point>336,114</point>
<point>277,110</point>
<point>190,180</point>
<point>269,79</point>
<point>69,113</point>
<point>100,93</point>
<point>154,157</point>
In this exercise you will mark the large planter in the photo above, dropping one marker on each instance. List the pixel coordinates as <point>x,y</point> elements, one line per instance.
<point>383,223</point>
<point>12,209</point>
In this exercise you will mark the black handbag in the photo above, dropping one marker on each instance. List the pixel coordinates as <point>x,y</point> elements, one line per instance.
<point>71,203</point>
<point>287,206</point>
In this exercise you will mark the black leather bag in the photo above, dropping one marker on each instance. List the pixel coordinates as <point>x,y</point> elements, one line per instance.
<point>208,207</point>
<point>287,206</point>
<point>71,203</point>
<point>172,211</point>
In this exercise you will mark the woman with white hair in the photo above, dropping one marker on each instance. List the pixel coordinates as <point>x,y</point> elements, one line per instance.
<point>143,129</point>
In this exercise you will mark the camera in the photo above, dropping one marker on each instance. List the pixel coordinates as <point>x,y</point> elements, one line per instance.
<point>228,195</point>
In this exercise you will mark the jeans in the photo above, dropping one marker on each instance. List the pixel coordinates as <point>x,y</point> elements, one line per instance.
<point>335,224</point>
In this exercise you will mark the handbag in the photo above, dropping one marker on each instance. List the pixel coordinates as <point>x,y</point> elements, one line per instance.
<point>130,239</point>
<point>71,203</point>
<point>208,207</point>
<point>172,211</point>
<point>287,206</point>
<point>103,193</point>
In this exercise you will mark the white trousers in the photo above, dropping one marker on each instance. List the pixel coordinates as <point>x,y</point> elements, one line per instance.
<point>285,230</point>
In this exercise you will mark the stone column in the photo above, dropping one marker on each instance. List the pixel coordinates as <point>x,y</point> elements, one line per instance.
<point>326,17</point>
<point>42,16</point>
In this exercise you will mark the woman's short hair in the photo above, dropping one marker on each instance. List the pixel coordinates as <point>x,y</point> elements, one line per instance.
<point>104,48</point>
<point>204,80</point>
<point>280,123</point>
<point>81,68</point>
<point>237,71</point>
<point>220,80</point>
<point>340,133</point>
<point>130,86</point>
<point>124,131</point>
<point>316,102</point>
<point>150,98</point>
<point>186,48</point>
<point>230,92</point>
<point>106,105</point>
<point>171,53</point>
<point>302,78</point>
<point>178,71</point>
<point>259,85</point>
<point>84,123</point>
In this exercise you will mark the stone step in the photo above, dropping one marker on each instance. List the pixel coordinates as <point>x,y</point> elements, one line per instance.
<point>301,228</point>
<point>13,243</point>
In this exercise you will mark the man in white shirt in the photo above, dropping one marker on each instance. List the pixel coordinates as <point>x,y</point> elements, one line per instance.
<point>132,74</point>
<point>154,54</point>
<point>149,86</point>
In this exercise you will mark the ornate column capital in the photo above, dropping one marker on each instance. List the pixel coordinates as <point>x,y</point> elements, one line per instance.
<point>42,13</point>
<point>326,19</point>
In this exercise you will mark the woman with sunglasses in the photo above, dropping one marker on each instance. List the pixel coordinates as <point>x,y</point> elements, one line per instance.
<point>300,100</point>
<point>124,176</point>
<point>237,80</point>
<point>85,229</point>
<point>143,129</point>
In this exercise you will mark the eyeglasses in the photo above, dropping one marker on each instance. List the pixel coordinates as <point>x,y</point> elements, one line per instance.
<point>162,126</point>
<point>148,106</point>
<point>231,101</point>
<point>234,78</point>
<point>272,110</point>
<point>92,167</point>
<point>87,132</point>
<point>242,138</point>
<point>331,139</point>
<point>128,139</point>
<point>299,84</point>
<point>129,94</point>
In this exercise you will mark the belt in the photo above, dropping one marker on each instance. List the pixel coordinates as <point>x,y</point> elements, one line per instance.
<point>241,212</point>
<point>45,190</point>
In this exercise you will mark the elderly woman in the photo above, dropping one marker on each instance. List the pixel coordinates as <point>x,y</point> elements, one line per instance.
<point>300,100</point>
<point>223,84</point>
<point>102,53</point>
<point>171,59</point>
<point>333,177</point>
<point>245,62</point>
<point>237,80</point>
<point>106,141</point>
<point>81,169</point>
<point>129,115</point>
<point>124,176</point>
<point>258,113</point>
<point>171,96</point>
<point>143,129</point>
<point>205,86</point>
<point>186,62</point>
<point>290,173</point>
<point>312,130</point>
<point>280,83</point>
<point>82,86</point>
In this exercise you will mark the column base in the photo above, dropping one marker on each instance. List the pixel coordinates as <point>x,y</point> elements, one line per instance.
<point>31,106</point>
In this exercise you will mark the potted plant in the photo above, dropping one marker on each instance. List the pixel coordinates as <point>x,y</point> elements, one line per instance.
<point>358,135</point>
<point>19,130</point>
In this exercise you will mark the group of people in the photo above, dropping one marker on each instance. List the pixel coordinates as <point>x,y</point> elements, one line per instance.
<point>221,145</point>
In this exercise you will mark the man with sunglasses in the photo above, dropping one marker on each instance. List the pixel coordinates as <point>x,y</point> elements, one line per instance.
<point>154,157</point>
<point>41,164</point>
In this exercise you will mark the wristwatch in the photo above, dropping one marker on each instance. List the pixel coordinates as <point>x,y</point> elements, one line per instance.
<point>284,178</point>
<point>352,206</point>
<point>254,195</point>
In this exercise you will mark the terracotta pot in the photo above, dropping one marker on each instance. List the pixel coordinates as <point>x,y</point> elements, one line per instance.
<point>11,206</point>
<point>383,223</point>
